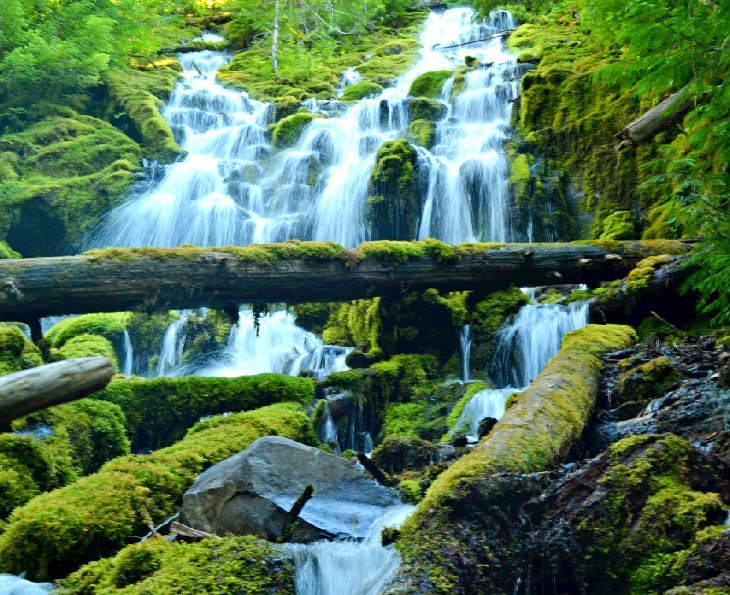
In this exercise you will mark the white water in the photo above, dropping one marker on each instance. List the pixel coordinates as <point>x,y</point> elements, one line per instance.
<point>534,336</point>
<point>173,346</point>
<point>349,567</point>
<point>15,585</point>
<point>128,360</point>
<point>229,189</point>
<point>489,402</point>
<point>281,346</point>
<point>465,342</point>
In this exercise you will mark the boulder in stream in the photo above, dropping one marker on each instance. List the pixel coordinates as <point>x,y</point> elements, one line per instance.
<point>253,491</point>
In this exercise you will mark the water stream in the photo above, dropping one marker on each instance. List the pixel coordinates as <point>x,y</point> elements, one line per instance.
<point>465,343</point>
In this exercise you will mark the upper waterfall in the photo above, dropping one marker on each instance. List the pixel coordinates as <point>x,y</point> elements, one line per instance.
<point>233,187</point>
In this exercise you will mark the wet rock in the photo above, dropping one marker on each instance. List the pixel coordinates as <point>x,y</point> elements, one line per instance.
<point>485,426</point>
<point>252,492</point>
<point>648,380</point>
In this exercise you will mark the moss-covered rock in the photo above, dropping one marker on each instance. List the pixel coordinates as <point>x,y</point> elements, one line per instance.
<point>7,252</point>
<point>108,325</point>
<point>313,317</point>
<point>393,209</point>
<point>17,352</point>
<point>401,453</point>
<point>429,84</point>
<point>140,94</point>
<point>422,108</point>
<point>647,381</point>
<point>621,225</point>
<point>361,90</point>
<point>86,346</point>
<point>233,565</point>
<point>158,411</point>
<point>57,532</point>
<point>286,132</point>
<point>422,132</point>
<point>68,171</point>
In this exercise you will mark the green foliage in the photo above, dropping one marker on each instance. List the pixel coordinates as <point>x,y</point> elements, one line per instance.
<point>242,565</point>
<point>57,532</point>
<point>429,84</point>
<point>620,225</point>
<point>158,411</point>
<point>7,252</point>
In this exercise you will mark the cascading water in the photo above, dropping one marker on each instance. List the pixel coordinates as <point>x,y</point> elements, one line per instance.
<point>465,342</point>
<point>173,345</point>
<point>489,402</point>
<point>534,336</point>
<point>231,188</point>
<point>355,568</point>
<point>128,360</point>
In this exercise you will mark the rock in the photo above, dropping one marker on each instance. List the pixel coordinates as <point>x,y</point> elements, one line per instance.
<point>485,426</point>
<point>253,491</point>
<point>647,381</point>
<point>398,453</point>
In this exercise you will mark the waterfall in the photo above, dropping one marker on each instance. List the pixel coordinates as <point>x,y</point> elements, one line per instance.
<point>128,359</point>
<point>465,341</point>
<point>173,344</point>
<point>280,346</point>
<point>16,585</point>
<point>355,568</point>
<point>486,403</point>
<point>534,336</point>
<point>328,433</point>
<point>233,188</point>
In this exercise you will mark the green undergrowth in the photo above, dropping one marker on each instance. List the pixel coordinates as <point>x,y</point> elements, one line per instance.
<point>57,532</point>
<point>159,410</point>
<point>54,447</point>
<point>380,55</point>
<point>242,565</point>
<point>59,177</point>
<point>537,431</point>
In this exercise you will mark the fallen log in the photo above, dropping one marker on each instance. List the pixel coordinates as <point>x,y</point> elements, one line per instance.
<point>40,387</point>
<point>378,474</point>
<point>189,533</point>
<point>116,280</point>
<point>295,511</point>
<point>659,118</point>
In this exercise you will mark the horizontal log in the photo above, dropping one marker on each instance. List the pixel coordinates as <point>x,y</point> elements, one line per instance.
<point>189,277</point>
<point>659,118</point>
<point>40,387</point>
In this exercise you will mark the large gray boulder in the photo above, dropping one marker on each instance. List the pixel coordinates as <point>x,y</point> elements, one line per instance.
<point>253,491</point>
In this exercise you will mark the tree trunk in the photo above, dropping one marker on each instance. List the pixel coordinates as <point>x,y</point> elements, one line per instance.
<point>275,41</point>
<point>117,280</point>
<point>659,118</point>
<point>41,387</point>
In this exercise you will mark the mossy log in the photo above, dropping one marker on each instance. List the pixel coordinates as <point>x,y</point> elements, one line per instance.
<point>659,118</point>
<point>188,277</point>
<point>40,387</point>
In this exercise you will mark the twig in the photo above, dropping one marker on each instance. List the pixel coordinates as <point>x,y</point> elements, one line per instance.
<point>458,45</point>
<point>665,321</point>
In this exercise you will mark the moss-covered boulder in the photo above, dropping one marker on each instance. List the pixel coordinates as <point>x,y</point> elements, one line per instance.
<point>17,352</point>
<point>140,94</point>
<point>429,84</point>
<point>422,132</point>
<point>87,346</point>
<point>361,90</point>
<point>400,453</point>
<point>422,108</point>
<point>108,325</point>
<point>286,132</point>
<point>159,411</point>
<point>232,565</point>
<point>620,225</point>
<point>393,209</point>
<point>57,532</point>
<point>647,381</point>
<point>7,252</point>
<point>68,171</point>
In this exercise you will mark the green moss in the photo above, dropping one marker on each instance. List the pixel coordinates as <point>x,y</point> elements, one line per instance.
<point>242,565</point>
<point>410,490</point>
<point>426,109</point>
<point>393,209</point>
<point>519,176</point>
<point>57,532</point>
<point>108,325</point>
<point>159,410</point>
<point>313,317</point>
<point>422,132</point>
<point>7,252</point>
<point>70,172</point>
<point>429,84</point>
<point>453,418</point>
<point>361,90</point>
<point>647,381</point>
<point>286,132</point>
<point>621,225</point>
<point>140,95</point>
<point>86,346</point>
<point>17,352</point>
